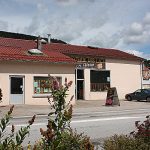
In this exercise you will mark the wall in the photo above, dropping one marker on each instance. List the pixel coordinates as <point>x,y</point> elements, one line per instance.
<point>124,75</point>
<point>29,70</point>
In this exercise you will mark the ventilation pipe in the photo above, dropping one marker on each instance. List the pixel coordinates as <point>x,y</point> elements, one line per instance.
<point>39,43</point>
<point>49,38</point>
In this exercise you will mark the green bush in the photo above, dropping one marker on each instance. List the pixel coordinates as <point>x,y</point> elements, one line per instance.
<point>70,140</point>
<point>59,135</point>
<point>143,130</point>
<point>124,142</point>
<point>12,140</point>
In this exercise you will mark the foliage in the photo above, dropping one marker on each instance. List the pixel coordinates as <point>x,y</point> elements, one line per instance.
<point>69,140</point>
<point>59,134</point>
<point>124,142</point>
<point>143,130</point>
<point>1,95</point>
<point>13,140</point>
<point>137,140</point>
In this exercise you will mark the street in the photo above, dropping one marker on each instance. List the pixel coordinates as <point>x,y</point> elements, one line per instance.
<point>97,125</point>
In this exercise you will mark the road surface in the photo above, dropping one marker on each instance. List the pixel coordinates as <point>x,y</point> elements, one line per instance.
<point>97,125</point>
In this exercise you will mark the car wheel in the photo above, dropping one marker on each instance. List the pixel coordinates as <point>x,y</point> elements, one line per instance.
<point>129,98</point>
<point>148,99</point>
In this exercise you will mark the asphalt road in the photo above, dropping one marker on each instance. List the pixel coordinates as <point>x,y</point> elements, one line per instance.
<point>97,125</point>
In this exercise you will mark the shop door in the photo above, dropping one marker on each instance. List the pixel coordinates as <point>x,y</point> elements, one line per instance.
<point>16,90</point>
<point>80,85</point>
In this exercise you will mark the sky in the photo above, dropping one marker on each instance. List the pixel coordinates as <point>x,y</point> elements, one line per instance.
<point>119,24</point>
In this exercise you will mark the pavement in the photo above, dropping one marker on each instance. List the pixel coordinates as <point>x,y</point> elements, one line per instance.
<point>82,107</point>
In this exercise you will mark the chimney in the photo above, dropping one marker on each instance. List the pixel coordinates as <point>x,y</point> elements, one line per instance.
<point>39,43</point>
<point>49,38</point>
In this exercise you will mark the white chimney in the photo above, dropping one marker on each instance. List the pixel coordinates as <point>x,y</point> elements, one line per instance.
<point>49,38</point>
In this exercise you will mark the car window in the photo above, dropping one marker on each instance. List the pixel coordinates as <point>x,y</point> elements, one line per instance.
<point>138,91</point>
<point>146,91</point>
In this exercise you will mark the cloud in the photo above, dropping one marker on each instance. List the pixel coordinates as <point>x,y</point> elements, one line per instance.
<point>72,2</point>
<point>139,32</point>
<point>82,22</point>
<point>138,53</point>
<point>3,25</point>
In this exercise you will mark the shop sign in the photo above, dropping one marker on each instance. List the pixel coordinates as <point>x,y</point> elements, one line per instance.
<point>86,65</point>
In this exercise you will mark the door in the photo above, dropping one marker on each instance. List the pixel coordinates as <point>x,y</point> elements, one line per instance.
<point>79,89</point>
<point>80,85</point>
<point>16,90</point>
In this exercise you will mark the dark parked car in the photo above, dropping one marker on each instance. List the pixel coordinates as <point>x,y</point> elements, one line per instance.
<point>140,94</point>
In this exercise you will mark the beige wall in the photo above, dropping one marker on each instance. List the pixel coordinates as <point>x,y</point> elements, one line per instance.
<point>124,75</point>
<point>29,70</point>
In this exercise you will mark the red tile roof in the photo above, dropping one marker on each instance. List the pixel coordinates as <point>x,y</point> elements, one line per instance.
<point>91,51</point>
<point>17,49</point>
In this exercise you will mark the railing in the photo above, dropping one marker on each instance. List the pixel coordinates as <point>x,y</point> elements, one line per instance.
<point>95,87</point>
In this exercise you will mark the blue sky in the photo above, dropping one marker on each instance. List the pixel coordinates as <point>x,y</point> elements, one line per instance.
<point>121,24</point>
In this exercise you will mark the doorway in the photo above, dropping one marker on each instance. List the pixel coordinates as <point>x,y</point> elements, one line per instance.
<point>80,85</point>
<point>16,90</point>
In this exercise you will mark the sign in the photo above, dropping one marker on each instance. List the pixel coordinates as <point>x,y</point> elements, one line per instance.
<point>86,65</point>
<point>112,97</point>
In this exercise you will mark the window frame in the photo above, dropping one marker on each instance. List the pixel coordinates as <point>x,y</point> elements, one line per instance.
<point>47,93</point>
<point>100,87</point>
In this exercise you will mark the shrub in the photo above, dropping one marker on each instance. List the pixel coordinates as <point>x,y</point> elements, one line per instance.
<point>12,141</point>
<point>143,130</point>
<point>137,140</point>
<point>59,135</point>
<point>69,140</point>
<point>124,142</point>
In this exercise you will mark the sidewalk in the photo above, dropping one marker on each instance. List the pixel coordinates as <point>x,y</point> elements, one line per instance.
<point>81,107</point>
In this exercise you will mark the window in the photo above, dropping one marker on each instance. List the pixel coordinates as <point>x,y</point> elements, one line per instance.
<point>80,74</point>
<point>100,80</point>
<point>42,85</point>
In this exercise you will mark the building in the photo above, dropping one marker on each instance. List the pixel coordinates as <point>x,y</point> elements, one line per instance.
<point>26,64</point>
<point>146,74</point>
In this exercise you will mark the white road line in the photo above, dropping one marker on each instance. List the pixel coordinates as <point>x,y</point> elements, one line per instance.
<point>22,125</point>
<point>82,121</point>
<point>103,119</point>
<point>114,111</point>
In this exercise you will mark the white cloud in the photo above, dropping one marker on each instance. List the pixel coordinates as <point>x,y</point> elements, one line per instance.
<point>138,53</point>
<point>3,25</point>
<point>147,18</point>
<point>88,22</point>
<point>139,32</point>
<point>67,2</point>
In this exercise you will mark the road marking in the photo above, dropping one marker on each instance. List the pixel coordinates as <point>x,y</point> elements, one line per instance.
<point>23,125</point>
<point>103,119</point>
<point>81,121</point>
<point>112,111</point>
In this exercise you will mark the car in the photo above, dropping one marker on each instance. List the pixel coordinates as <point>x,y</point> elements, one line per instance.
<point>140,94</point>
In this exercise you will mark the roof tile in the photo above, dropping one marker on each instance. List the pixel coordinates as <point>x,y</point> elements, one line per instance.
<point>17,49</point>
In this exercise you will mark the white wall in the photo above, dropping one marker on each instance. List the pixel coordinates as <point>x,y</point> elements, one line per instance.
<point>29,70</point>
<point>124,75</point>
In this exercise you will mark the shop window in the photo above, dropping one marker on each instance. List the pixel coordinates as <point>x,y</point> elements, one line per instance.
<point>42,84</point>
<point>100,80</point>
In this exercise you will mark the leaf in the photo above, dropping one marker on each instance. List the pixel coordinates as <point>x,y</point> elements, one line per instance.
<point>17,139</point>
<point>51,113</point>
